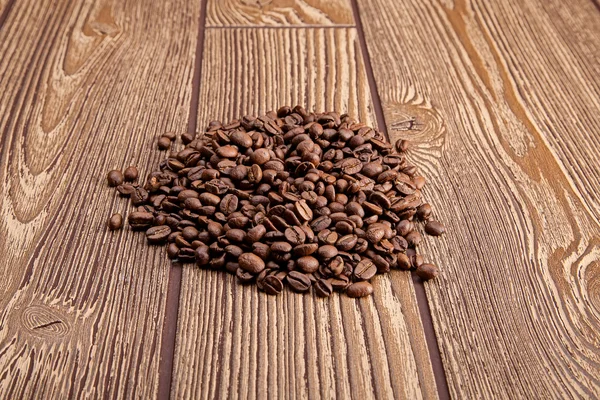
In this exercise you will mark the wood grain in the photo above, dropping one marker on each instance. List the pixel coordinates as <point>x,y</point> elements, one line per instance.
<point>86,87</point>
<point>278,12</point>
<point>234,342</point>
<point>505,99</point>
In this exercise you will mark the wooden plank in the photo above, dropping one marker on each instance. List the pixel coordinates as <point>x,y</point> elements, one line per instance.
<point>278,12</point>
<point>86,87</point>
<point>236,342</point>
<point>503,96</point>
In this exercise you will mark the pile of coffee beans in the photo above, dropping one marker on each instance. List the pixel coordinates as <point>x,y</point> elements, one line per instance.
<point>293,197</point>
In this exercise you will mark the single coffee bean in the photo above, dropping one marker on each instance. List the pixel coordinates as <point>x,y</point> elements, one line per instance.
<point>375,232</point>
<point>235,235</point>
<point>427,271</point>
<point>229,204</point>
<point>365,270</point>
<point>139,196</point>
<point>158,234</point>
<point>305,249</point>
<point>164,143</point>
<point>434,228</point>
<point>252,263</point>
<point>140,220</point>
<point>327,252</point>
<point>272,285</point>
<point>336,265</point>
<point>295,235</point>
<point>413,238</point>
<point>323,288</point>
<point>359,289</point>
<point>347,242</point>
<point>308,264</point>
<point>115,178</point>
<point>303,210</point>
<point>281,247</point>
<point>130,174</point>
<point>115,222</point>
<point>241,138</point>
<point>298,281</point>
<point>244,276</point>
<point>172,251</point>
<point>424,211</point>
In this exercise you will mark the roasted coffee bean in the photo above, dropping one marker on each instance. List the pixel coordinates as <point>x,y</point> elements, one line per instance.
<point>295,235</point>
<point>359,289</point>
<point>303,211</point>
<point>272,285</point>
<point>139,196</point>
<point>305,249</point>
<point>158,234</point>
<point>256,233</point>
<point>130,174</point>
<point>251,262</point>
<point>434,228</point>
<point>235,235</point>
<point>244,276</point>
<point>413,238</point>
<point>308,264</point>
<point>115,178</point>
<point>323,288</point>
<point>115,222</point>
<point>327,252</point>
<point>375,232</point>
<point>164,143</point>
<point>298,281</point>
<point>347,242</point>
<point>336,265</point>
<point>424,211</point>
<point>365,270</point>
<point>140,220</point>
<point>229,204</point>
<point>427,271</point>
<point>281,247</point>
<point>340,282</point>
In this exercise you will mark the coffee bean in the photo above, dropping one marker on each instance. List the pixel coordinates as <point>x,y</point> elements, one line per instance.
<point>359,289</point>
<point>241,138</point>
<point>130,174</point>
<point>308,264</point>
<point>347,242</point>
<point>140,220</point>
<point>164,143</point>
<point>252,263</point>
<point>235,235</point>
<point>298,281</point>
<point>327,252</point>
<point>272,285</point>
<point>434,228</point>
<point>427,271</point>
<point>295,235</point>
<point>375,232</point>
<point>229,204</point>
<point>281,247</point>
<point>303,210</point>
<point>115,178</point>
<point>305,249</point>
<point>139,196</point>
<point>323,288</point>
<point>424,211</point>
<point>115,222</point>
<point>413,238</point>
<point>158,234</point>
<point>365,270</point>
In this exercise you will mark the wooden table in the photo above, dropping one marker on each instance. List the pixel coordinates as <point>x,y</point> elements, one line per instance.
<point>501,100</point>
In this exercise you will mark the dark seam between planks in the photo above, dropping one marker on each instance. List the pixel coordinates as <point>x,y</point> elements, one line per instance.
<point>596,3</point>
<point>169,334</point>
<point>5,12</point>
<point>265,27</point>
<point>422,303</point>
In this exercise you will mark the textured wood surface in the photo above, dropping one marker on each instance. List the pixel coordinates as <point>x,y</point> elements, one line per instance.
<point>236,342</point>
<point>86,87</point>
<point>505,97</point>
<point>278,12</point>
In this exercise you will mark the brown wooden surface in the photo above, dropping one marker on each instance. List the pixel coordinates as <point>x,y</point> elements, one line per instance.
<point>504,99</point>
<point>85,87</point>
<point>508,105</point>
<point>234,341</point>
<point>278,13</point>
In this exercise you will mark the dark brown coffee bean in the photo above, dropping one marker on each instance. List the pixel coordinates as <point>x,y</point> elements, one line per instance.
<point>244,276</point>
<point>164,143</point>
<point>336,265</point>
<point>115,222</point>
<point>251,262</point>
<point>139,196</point>
<point>327,252</point>
<point>305,249</point>
<point>281,247</point>
<point>189,233</point>
<point>303,210</point>
<point>114,178</point>
<point>261,250</point>
<point>260,156</point>
<point>359,289</point>
<point>340,282</point>
<point>158,234</point>
<point>413,238</point>
<point>434,228</point>
<point>130,174</point>
<point>323,288</point>
<point>229,204</point>
<point>424,211</point>
<point>347,242</point>
<point>427,271</point>
<point>375,232</point>
<point>172,251</point>
<point>140,220</point>
<point>298,281</point>
<point>235,235</point>
<point>241,138</point>
<point>256,233</point>
<point>295,235</point>
<point>308,264</point>
<point>320,223</point>
<point>365,270</point>
<point>255,174</point>
<point>202,255</point>
<point>272,285</point>
<point>402,145</point>
<point>125,189</point>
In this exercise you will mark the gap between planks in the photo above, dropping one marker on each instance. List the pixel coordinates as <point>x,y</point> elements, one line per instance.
<point>4,13</point>
<point>169,334</point>
<point>422,303</point>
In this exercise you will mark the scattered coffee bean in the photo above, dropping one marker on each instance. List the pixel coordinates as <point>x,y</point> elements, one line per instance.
<point>115,178</point>
<point>115,222</point>
<point>130,174</point>
<point>290,198</point>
